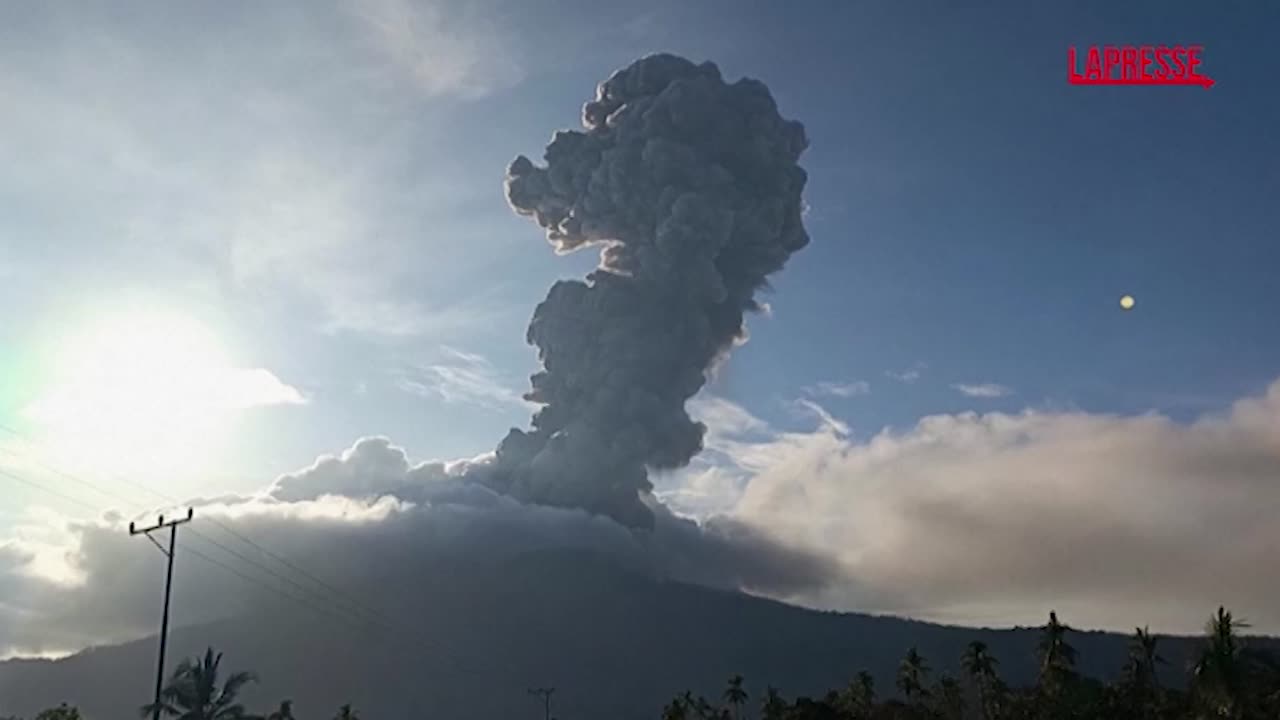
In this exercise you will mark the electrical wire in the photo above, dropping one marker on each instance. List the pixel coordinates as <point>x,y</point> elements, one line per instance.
<point>311,600</point>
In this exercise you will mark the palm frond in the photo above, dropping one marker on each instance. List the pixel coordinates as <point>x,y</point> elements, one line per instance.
<point>238,681</point>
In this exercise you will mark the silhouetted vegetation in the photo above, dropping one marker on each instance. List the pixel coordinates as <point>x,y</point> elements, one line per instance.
<point>192,692</point>
<point>1228,681</point>
<point>62,712</point>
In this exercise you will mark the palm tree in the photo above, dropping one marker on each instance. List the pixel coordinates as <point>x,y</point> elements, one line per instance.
<point>773,707</point>
<point>699,705</point>
<point>346,713</point>
<point>1140,692</point>
<point>1057,657</point>
<point>735,695</point>
<point>981,667</point>
<point>999,698</point>
<point>62,712</point>
<point>950,698</point>
<point>1218,673</point>
<point>284,713</point>
<point>192,692</point>
<point>911,676</point>
<point>676,710</point>
<point>859,696</point>
<point>1144,659</point>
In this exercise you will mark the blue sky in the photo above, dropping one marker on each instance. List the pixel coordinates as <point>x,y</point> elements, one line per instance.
<point>319,187</point>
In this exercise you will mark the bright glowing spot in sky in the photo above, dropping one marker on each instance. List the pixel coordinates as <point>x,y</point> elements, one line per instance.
<point>145,392</point>
<point>1127,302</point>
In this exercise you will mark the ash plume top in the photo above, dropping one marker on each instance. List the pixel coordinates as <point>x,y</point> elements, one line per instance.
<point>690,186</point>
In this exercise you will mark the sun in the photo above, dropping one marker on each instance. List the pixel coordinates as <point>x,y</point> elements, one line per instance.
<point>143,391</point>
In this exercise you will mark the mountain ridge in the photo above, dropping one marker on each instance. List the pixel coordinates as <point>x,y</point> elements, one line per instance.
<point>613,640</point>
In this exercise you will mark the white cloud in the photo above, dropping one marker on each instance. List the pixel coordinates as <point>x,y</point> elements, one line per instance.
<point>827,419</point>
<point>839,389</point>
<point>300,195</point>
<point>724,418</point>
<point>1112,520</point>
<point>707,491</point>
<point>907,376</point>
<point>982,390</point>
<point>404,319</point>
<point>462,378</point>
<point>245,388</point>
<point>445,49</point>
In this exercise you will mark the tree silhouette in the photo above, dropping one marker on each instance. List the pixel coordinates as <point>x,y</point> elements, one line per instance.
<point>676,710</point>
<point>192,692</point>
<point>285,711</point>
<point>773,707</point>
<point>912,673</point>
<point>1228,682</point>
<point>62,712</point>
<point>1139,693</point>
<point>735,695</point>
<point>859,696</point>
<point>346,713</point>
<point>950,698</point>
<point>1057,657</point>
<point>698,706</point>
<point>980,666</point>
<point>1219,672</point>
<point>1144,658</point>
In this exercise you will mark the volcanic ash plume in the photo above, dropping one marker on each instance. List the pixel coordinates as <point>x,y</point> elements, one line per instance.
<point>691,187</point>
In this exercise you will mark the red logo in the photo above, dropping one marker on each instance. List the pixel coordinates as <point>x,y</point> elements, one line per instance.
<point>1138,65</point>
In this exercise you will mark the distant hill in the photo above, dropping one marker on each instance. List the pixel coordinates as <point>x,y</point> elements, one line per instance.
<point>614,643</point>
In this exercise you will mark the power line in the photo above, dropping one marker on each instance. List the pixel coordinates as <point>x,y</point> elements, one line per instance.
<point>346,597</point>
<point>68,476</point>
<point>308,592</point>
<point>310,599</point>
<point>92,508</point>
<point>341,614</point>
<point>51,491</point>
<point>345,619</point>
<point>358,624</point>
<point>293,566</point>
<point>168,587</point>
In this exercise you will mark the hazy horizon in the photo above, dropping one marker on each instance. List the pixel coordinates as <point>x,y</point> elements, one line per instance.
<point>258,259</point>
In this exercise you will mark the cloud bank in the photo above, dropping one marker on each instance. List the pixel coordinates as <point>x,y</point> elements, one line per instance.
<point>995,518</point>
<point>368,517</point>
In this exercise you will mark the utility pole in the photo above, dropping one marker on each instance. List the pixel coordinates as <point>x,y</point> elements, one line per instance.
<point>546,694</point>
<point>168,585</point>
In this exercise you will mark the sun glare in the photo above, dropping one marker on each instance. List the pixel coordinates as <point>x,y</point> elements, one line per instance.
<point>142,392</point>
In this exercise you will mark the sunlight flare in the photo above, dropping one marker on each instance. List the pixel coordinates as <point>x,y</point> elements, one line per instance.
<point>145,389</point>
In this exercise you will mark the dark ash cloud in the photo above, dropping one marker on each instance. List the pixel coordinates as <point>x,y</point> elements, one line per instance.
<point>691,187</point>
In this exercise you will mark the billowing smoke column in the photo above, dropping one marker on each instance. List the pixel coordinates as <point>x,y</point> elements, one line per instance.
<point>691,186</point>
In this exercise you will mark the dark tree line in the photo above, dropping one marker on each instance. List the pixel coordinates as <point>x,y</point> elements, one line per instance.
<point>193,692</point>
<point>1227,681</point>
